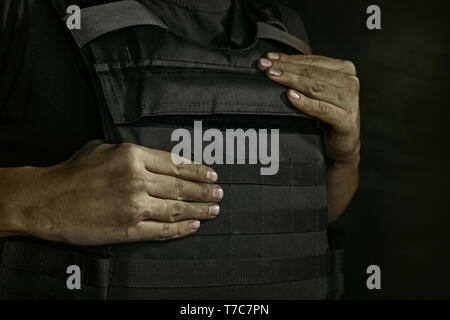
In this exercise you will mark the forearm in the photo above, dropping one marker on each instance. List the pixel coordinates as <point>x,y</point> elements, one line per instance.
<point>343,180</point>
<point>16,192</point>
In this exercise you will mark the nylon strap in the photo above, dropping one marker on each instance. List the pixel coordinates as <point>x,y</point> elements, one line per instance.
<point>336,261</point>
<point>140,273</point>
<point>336,274</point>
<point>101,19</point>
<point>267,31</point>
<point>204,273</point>
<point>105,18</point>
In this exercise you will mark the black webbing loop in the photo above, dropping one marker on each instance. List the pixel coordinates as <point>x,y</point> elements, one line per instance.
<point>336,264</point>
<point>337,260</point>
<point>336,275</point>
<point>105,18</point>
<point>267,31</point>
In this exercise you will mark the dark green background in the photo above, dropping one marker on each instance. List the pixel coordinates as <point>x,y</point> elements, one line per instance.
<point>399,219</point>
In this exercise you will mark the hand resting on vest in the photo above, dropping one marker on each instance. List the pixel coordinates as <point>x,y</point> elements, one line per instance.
<point>108,194</point>
<point>327,89</point>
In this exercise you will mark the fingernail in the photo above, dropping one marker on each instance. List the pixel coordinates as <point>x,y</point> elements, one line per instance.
<point>194,225</point>
<point>218,193</point>
<point>275,72</point>
<point>294,95</point>
<point>212,176</point>
<point>273,56</point>
<point>213,210</point>
<point>265,62</point>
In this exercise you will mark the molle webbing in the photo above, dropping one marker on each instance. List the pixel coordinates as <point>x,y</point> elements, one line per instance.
<point>100,274</point>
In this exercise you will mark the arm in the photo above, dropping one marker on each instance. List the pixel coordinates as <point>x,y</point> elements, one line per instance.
<point>10,180</point>
<point>108,194</point>
<point>328,90</point>
<point>343,181</point>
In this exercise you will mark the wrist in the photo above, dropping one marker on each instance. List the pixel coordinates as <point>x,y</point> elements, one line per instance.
<point>343,181</point>
<point>349,163</point>
<point>18,192</point>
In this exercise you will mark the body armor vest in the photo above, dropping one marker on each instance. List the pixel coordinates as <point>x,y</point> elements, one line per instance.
<point>270,240</point>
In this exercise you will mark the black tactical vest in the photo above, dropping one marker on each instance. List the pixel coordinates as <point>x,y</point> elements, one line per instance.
<point>270,240</point>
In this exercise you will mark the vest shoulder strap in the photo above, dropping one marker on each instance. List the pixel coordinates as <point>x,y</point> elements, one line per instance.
<point>104,18</point>
<point>267,31</point>
<point>281,23</point>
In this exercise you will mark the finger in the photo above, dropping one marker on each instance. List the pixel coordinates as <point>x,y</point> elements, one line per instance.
<point>338,65</point>
<point>168,187</point>
<point>157,231</point>
<point>316,89</point>
<point>336,117</point>
<point>333,78</point>
<point>162,162</point>
<point>174,210</point>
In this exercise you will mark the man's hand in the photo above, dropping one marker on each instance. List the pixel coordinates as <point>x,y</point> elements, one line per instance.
<point>328,90</point>
<point>114,193</point>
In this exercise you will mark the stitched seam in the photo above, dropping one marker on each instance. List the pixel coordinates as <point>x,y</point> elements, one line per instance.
<point>208,111</point>
<point>221,285</point>
<point>169,74</point>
